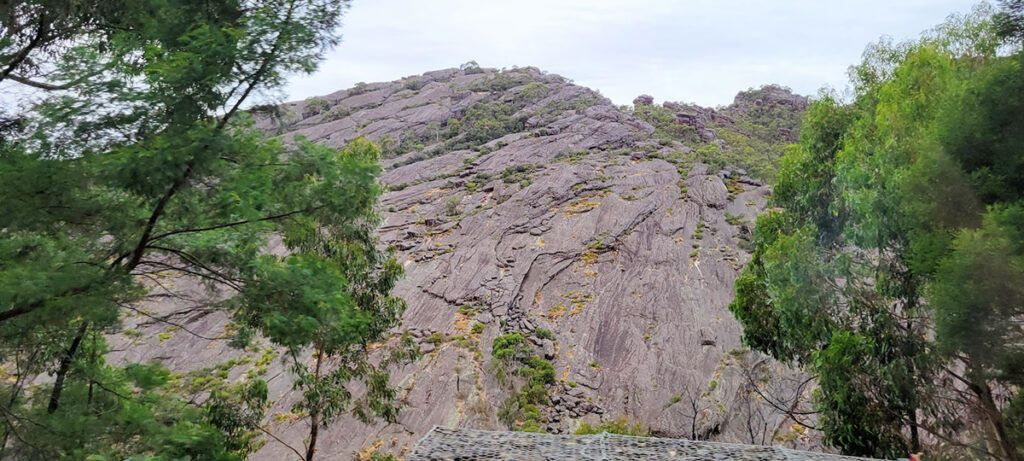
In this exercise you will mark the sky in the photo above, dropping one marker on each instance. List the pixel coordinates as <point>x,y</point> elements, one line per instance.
<point>701,51</point>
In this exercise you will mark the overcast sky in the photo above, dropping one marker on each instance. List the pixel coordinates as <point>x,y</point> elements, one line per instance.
<point>701,51</point>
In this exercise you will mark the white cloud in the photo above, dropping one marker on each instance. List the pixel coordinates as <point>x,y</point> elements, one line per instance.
<point>702,51</point>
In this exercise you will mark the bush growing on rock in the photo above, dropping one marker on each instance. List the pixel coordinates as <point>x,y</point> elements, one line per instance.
<point>315,106</point>
<point>451,206</point>
<point>543,333</point>
<point>471,67</point>
<point>339,112</point>
<point>619,425</point>
<point>414,84</point>
<point>533,91</point>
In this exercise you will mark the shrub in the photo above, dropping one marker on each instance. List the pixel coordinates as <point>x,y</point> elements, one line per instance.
<point>315,106</point>
<point>533,91</point>
<point>508,346</point>
<point>339,112</point>
<point>544,333</point>
<point>538,371</point>
<point>414,84</point>
<point>451,206</point>
<point>618,426</point>
<point>359,88</point>
<point>516,173</point>
<point>733,220</point>
<point>471,67</point>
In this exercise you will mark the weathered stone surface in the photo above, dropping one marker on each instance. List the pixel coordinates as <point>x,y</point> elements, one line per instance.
<point>548,349</point>
<point>598,247</point>
<point>643,99</point>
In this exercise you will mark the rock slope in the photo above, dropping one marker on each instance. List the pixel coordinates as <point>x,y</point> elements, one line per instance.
<point>522,203</point>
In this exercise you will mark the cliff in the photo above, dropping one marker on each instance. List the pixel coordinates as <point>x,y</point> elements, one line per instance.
<point>521,203</point>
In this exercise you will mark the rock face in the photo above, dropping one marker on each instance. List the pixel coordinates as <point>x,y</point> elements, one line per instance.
<point>770,95</point>
<point>557,224</point>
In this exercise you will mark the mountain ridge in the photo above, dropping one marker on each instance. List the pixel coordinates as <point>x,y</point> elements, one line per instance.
<point>570,231</point>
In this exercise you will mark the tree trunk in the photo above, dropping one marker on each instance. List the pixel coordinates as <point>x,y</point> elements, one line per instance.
<point>65,365</point>
<point>314,413</point>
<point>1003,448</point>
<point>915,438</point>
<point>313,430</point>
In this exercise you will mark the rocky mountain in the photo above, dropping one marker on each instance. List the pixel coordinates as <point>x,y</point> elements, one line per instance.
<point>534,216</point>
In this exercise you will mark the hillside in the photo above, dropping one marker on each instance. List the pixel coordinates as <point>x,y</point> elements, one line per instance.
<point>533,215</point>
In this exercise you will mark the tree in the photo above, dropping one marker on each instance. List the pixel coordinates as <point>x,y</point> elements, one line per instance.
<point>890,271</point>
<point>134,160</point>
<point>1010,21</point>
<point>332,294</point>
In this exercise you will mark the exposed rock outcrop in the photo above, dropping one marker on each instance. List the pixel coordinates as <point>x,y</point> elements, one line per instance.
<point>552,218</point>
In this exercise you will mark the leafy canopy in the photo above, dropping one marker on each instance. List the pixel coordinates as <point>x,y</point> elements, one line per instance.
<point>892,268</point>
<point>130,174</point>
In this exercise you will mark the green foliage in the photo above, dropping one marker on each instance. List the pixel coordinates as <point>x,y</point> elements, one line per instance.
<point>153,175</point>
<point>570,156</point>
<point>139,411</point>
<point>1010,21</point>
<point>533,91</point>
<point>619,425</point>
<point>509,346</point>
<point>315,106</point>
<point>895,261</point>
<point>451,206</point>
<point>751,134</point>
<point>414,84</point>
<point>486,121</point>
<point>538,371</point>
<point>339,112</point>
<point>471,67</point>
<point>543,333</point>
<point>733,220</point>
<point>665,127</point>
<point>519,411</point>
<point>517,173</point>
<point>500,82</point>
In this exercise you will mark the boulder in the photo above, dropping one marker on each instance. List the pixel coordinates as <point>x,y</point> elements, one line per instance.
<point>643,99</point>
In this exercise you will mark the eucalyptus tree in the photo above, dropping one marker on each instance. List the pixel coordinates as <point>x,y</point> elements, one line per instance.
<point>892,268</point>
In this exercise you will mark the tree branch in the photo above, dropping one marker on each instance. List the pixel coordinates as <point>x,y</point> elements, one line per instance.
<point>282,442</point>
<point>232,224</point>
<point>22,55</point>
<point>259,74</point>
<point>174,324</point>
